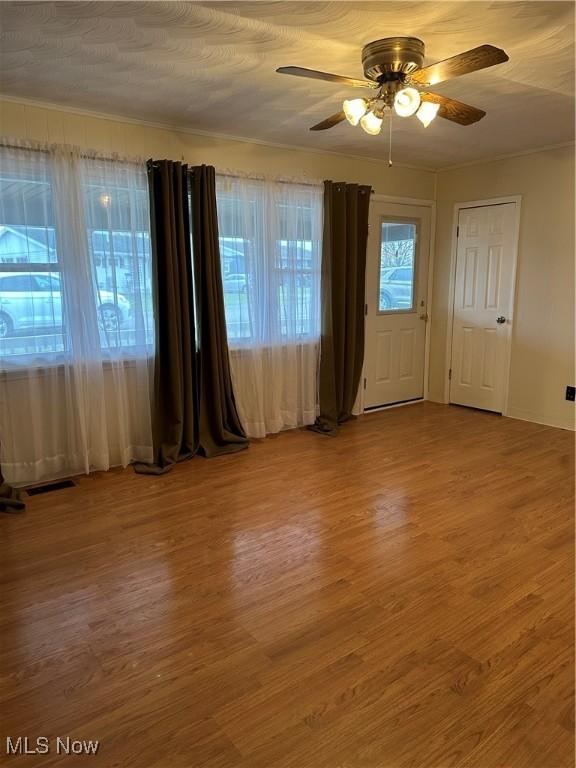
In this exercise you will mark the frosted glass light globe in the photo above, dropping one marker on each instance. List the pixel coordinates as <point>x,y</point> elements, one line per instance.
<point>354,109</point>
<point>406,102</point>
<point>371,124</point>
<point>427,112</point>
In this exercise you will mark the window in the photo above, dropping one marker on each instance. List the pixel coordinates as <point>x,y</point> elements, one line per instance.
<point>30,315</point>
<point>92,269</point>
<point>270,253</point>
<point>397,265</point>
<point>270,244</point>
<point>117,222</point>
<point>76,331</point>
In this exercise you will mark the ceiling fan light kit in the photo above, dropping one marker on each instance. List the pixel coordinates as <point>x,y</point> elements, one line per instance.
<point>355,109</point>
<point>371,123</point>
<point>427,112</point>
<point>406,102</point>
<point>394,71</point>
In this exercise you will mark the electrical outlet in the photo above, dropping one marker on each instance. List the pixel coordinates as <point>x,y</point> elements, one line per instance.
<point>571,393</point>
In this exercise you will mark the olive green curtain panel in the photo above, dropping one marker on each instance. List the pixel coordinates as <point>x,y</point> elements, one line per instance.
<point>344,242</point>
<point>193,403</point>
<point>175,406</point>
<point>220,428</point>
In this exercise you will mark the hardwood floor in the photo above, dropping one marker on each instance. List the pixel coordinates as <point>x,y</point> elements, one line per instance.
<point>398,597</point>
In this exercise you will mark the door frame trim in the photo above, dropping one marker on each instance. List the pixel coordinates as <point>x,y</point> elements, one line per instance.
<point>424,203</point>
<point>517,200</point>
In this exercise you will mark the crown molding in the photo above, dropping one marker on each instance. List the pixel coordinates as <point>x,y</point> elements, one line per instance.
<point>175,128</point>
<point>509,156</point>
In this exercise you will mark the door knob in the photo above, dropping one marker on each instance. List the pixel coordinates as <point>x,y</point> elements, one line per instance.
<point>500,319</point>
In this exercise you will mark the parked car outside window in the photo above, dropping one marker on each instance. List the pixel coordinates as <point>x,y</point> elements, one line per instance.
<point>235,282</point>
<point>33,301</point>
<point>396,288</point>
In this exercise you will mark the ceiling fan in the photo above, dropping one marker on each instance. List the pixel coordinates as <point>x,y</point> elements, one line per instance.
<point>394,73</point>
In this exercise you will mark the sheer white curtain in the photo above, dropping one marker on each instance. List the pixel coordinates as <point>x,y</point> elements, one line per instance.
<point>270,243</point>
<point>76,324</point>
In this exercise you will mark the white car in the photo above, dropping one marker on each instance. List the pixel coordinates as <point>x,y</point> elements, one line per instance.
<point>33,300</point>
<point>396,287</point>
<point>235,282</point>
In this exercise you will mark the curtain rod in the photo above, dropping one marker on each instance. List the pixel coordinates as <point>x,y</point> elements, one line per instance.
<point>231,175</point>
<point>131,161</point>
<point>279,180</point>
<point>23,146</point>
<point>254,177</point>
<point>85,154</point>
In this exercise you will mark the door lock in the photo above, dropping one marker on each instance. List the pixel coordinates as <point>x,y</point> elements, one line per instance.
<point>424,317</point>
<point>500,320</point>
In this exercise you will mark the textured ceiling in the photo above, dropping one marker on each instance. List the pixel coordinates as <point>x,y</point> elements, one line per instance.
<point>210,67</point>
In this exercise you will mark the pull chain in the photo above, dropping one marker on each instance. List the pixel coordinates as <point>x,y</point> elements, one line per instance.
<point>390,139</point>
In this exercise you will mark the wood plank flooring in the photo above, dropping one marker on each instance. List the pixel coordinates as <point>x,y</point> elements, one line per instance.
<point>398,597</point>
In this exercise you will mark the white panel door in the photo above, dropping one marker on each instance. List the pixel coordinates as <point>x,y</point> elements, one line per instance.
<point>483,301</point>
<point>396,296</point>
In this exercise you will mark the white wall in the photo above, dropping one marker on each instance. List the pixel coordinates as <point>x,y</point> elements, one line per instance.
<point>542,362</point>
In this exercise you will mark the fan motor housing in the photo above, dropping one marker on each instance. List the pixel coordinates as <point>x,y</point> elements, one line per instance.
<point>392,57</point>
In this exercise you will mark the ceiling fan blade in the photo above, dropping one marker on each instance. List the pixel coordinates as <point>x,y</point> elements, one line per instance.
<point>469,61</point>
<point>314,74</point>
<point>453,110</point>
<point>330,122</point>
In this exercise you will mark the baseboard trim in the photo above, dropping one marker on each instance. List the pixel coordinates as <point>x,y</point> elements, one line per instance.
<point>515,413</point>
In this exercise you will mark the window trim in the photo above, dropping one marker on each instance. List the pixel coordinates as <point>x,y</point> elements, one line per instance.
<point>31,266</point>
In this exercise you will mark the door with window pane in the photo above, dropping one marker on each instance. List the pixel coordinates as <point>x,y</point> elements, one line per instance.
<point>396,297</point>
